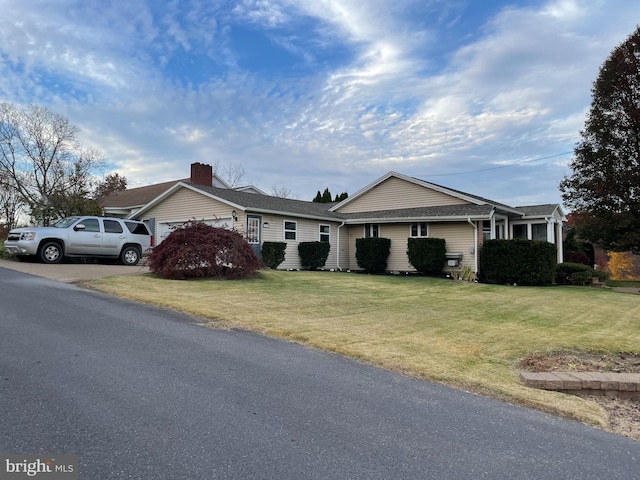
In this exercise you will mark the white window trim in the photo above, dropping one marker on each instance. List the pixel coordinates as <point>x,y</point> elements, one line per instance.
<point>426,235</point>
<point>529,229</point>
<point>368,229</point>
<point>285,231</point>
<point>321,233</point>
<point>545,225</point>
<point>518,224</point>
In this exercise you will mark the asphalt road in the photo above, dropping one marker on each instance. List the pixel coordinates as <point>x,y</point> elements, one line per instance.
<point>143,393</point>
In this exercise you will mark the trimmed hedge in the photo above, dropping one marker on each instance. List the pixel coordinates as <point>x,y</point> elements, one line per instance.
<point>313,255</point>
<point>427,255</point>
<point>372,254</point>
<point>521,262</point>
<point>273,253</point>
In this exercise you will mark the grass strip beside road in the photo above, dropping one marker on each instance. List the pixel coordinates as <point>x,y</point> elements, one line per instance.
<point>465,335</point>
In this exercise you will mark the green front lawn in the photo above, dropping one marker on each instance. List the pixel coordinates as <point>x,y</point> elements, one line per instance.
<point>466,335</point>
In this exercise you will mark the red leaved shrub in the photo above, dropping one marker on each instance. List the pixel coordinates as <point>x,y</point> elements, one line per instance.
<point>198,250</point>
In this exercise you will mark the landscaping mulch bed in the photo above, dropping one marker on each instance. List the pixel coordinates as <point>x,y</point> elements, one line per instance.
<point>624,414</point>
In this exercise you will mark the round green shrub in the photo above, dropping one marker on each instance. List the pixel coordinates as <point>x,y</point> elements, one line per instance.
<point>273,253</point>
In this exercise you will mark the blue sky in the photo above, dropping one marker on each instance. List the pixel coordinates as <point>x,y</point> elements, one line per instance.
<point>482,96</point>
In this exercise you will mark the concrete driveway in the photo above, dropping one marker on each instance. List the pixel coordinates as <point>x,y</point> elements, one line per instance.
<point>72,272</point>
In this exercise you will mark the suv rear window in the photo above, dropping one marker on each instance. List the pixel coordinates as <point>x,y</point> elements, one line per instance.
<point>137,228</point>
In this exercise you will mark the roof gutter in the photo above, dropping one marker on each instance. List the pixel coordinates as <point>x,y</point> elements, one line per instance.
<point>290,214</point>
<point>443,218</point>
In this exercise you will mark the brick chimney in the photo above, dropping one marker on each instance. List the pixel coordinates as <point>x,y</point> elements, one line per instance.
<point>201,174</point>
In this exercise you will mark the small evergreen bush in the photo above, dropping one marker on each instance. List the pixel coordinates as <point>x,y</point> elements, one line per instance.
<point>273,253</point>
<point>603,275</point>
<point>427,255</point>
<point>521,262</point>
<point>198,250</point>
<point>372,254</point>
<point>313,255</point>
<point>570,273</point>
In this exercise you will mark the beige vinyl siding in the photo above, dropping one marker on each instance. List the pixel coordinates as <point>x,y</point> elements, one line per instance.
<point>397,233</point>
<point>354,232</point>
<point>344,248</point>
<point>458,237</point>
<point>185,204</point>
<point>395,193</point>
<point>306,231</point>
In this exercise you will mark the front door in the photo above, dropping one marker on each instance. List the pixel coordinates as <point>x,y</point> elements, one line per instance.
<point>253,233</point>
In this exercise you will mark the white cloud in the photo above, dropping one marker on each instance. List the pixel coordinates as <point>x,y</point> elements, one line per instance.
<point>517,88</point>
<point>263,12</point>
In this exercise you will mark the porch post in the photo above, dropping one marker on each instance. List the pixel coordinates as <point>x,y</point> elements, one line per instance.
<point>558,227</point>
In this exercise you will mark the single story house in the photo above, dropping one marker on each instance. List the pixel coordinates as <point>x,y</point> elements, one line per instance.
<point>394,206</point>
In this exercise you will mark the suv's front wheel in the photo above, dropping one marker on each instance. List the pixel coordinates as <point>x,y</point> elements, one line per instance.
<point>51,252</point>
<point>130,256</point>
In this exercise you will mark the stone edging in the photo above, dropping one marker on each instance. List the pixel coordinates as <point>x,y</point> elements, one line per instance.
<point>622,385</point>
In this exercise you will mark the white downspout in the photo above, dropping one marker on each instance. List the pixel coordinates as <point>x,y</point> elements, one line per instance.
<point>338,242</point>
<point>475,244</point>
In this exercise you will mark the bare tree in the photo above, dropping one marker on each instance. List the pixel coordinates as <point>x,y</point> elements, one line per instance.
<point>42,157</point>
<point>11,203</point>
<point>283,192</point>
<point>232,174</point>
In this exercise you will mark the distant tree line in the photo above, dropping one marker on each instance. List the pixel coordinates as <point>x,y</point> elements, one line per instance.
<point>325,197</point>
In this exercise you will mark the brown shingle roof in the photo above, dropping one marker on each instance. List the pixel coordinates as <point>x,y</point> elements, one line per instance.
<point>136,197</point>
<point>462,210</point>
<point>256,202</point>
<point>538,210</point>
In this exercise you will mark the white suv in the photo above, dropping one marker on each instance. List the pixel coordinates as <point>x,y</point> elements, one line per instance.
<point>127,240</point>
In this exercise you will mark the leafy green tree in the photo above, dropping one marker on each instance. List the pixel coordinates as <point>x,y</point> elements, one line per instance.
<point>112,183</point>
<point>604,187</point>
